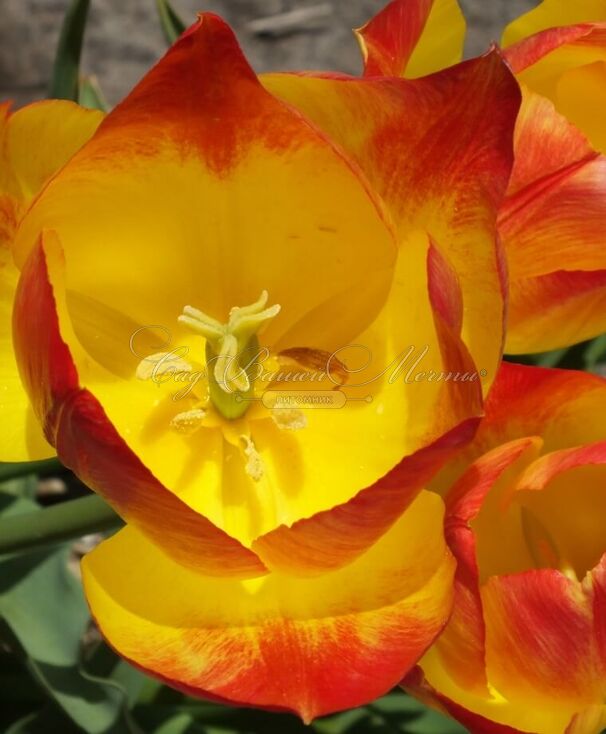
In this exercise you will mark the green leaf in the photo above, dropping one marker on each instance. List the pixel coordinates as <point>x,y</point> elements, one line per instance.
<point>43,617</point>
<point>396,713</point>
<point>66,70</point>
<point>399,712</point>
<point>65,521</point>
<point>90,94</point>
<point>18,694</point>
<point>26,468</point>
<point>341,723</point>
<point>551,359</point>
<point>43,722</point>
<point>215,719</point>
<point>179,723</point>
<point>24,487</point>
<point>172,25</point>
<point>432,722</point>
<point>105,666</point>
<point>572,358</point>
<point>595,354</point>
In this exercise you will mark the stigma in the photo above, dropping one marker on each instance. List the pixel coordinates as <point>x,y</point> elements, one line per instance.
<point>229,348</point>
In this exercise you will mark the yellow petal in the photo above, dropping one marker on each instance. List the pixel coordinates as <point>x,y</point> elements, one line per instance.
<point>43,136</point>
<point>441,44</point>
<point>21,437</point>
<point>35,141</point>
<point>554,13</point>
<point>312,646</point>
<point>427,177</point>
<point>207,198</point>
<point>412,38</point>
<point>581,97</point>
<point>541,61</point>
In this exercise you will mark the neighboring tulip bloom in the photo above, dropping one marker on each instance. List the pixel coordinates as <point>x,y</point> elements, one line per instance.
<point>552,222</point>
<point>525,649</point>
<point>268,559</point>
<point>35,142</point>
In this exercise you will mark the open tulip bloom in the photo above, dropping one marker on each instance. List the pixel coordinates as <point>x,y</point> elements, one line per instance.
<point>260,315</point>
<point>525,648</point>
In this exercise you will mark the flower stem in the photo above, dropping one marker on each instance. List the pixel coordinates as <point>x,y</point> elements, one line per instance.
<point>16,470</point>
<point>57,524</point>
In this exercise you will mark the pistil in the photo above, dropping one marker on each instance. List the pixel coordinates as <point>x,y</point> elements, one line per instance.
<point>230,352</point>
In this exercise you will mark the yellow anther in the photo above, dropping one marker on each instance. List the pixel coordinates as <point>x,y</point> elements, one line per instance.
<point>289,419</point>
<point>189,421</point>
<point>254,464</point>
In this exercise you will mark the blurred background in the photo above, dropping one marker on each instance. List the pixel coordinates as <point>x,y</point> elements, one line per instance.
<point>124,38</point>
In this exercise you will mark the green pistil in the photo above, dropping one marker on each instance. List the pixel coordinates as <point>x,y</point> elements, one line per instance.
<point>230,348</point>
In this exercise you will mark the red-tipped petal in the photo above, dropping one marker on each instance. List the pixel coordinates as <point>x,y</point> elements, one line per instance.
<point>87,442</point>
<point>462,646</point>
<point>417,685</point>
<point>334,538</point>
<point>550,466</point>
<point>544,617</point>
<point>445,289</point>
<point>312,646</point>
<point>563,407</point>
<point>529,51</point>
<point>412,38</point>
<point>448,186</point>
<point>555,310</point>
<point>552,229</point>
<point>330,539</point>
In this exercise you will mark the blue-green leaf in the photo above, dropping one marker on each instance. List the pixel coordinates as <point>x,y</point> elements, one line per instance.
<point>43,617</point>
<point>27,468</point>
<point>90,94</point>
<point>172,25</point>
<point>57,524</point>
<point>595,354</point>
<point>66,70</point>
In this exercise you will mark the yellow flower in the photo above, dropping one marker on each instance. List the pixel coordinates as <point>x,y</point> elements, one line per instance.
<point>219,231</point>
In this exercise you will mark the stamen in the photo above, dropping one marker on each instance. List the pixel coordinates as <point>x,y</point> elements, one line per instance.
<point>189,421</point>
<point>254,465</point>
<point>289,419</point>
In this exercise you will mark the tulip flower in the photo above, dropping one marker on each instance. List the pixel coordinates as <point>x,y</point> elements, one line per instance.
<point>35,142</point>
<point>552,221</point>
<point>524,650</point>
<point>213,244</point>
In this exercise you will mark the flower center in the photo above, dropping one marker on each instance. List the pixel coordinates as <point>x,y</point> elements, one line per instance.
<point>230,352</point>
